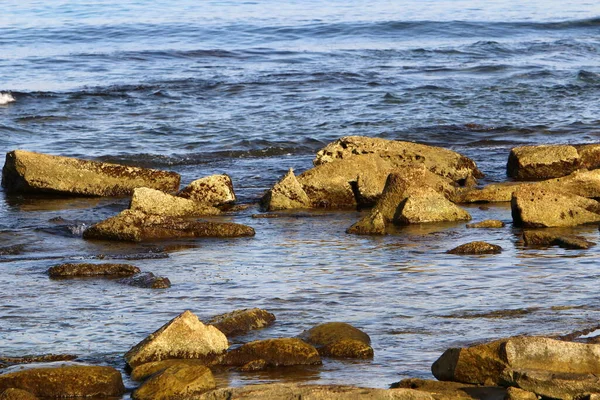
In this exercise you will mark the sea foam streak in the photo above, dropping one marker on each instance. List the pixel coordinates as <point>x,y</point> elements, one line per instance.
<point>6,98</point>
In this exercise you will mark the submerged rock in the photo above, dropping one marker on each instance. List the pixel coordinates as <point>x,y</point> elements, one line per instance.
<point>339,339</point>
<point>488,223</point>
<point>182,337</point>
<point>86,269</point>
<point>28,172</point>
<point>136,226</point>
<point>147,280</point>
<point>66,381</point>
<point>275,353</point>
<point>214,190</point>
<point>476,248</point>
<point>441,161</point>
<point>485,364</point>
<point>294,391</point>
<point>286,194</point>
<point>539,208</point>
<point>240,322</point>
<point>551,161</point>
<point>544,238</point>
<point>176,382</point>
<point>151,201</point>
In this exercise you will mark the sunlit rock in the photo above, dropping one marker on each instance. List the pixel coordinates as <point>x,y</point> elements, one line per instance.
<point>339,339</point>
<point>477,247</point>
<point>214,190</point>
<point>286,194</point>
<point>151,201</point>
<point>275,352</point>
<point>182,381</point>
<point>86,269</point>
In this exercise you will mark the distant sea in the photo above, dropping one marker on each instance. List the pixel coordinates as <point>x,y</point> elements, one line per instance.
<point>252,88</point>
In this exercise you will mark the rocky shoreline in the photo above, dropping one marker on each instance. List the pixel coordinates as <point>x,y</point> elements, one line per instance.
<point>402,183</point>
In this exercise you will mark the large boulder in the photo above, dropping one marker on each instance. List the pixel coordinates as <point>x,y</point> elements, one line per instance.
<point>182,337</point>
<point>294,391</point>
<point>86,269</point>
<point>551,161</point>
<point>339,339</point>
<point>136,226</point>
<point>286,194</point>
<point>152,201</point>
<point>28,172</point>
<point>66,381</point>
<point>274,353</point>
<point>582,183</point>
<point>540,208</point>
<point>240,322</point>
<point>485,364</point>
<point>176,382</point>
<point>214,190</point>
<point>441,161</point>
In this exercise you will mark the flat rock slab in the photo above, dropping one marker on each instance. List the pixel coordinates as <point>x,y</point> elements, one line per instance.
<point>86,269</point>
<point>541,208</point>
<point>240,322</point>
<point>43,358</point>
<point>29,172</point>
<point>441,161</point>
<point>68,381</point>
<point>294,391</point>
<point>182,337</point>
<point>136,226</point>
<point>147,280</point>
<point>275,352</point>
<point>488,223</point>
<point>176,382</point>
<point>453,390</point>
<point>474,248</point>
<point>152,201</point>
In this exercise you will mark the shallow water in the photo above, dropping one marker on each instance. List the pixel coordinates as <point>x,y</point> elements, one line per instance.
<point>254,88</point>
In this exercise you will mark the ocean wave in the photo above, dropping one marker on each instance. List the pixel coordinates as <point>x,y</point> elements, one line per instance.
<point>6,98</point>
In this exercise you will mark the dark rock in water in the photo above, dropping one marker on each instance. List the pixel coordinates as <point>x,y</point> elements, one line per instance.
<point>543,238</point>
<point>86,269</point>
<point>181,381</point>
<point>214,190</point>
<point>66,381</point>
<point>275,352</point>
<point>476,248</point>
<point>147,280</point>
<point>12,250</point>
<point>488,223</point>
<point>452,390</point>
<point>17,394</point>
<point>339,339</point>
<point>44,358</point>
<point>30,172</point>
<point>540,208</point>
<point>240,322</point>
<point>294,391</point>
<point>135,226</point>
<point>185,336</point>
<point>577,335</point>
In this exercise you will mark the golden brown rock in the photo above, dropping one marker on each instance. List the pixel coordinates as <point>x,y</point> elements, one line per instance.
<point>488,223</point>
<point>135,226</point>
<point>275,352</point>
<point>28,172</point>
<point>66,381</point>
<point>17,394</point>
<point>143,371</point>
<point>453,390</point>
<point>478,247</point>
<point>214,190</point>
<point>182,337</point>
<point>87,269</point>
<point>151,201</point>
<point>182,381</point>
<point>339,339</point>
<point>286,194</point>
<point>240,322</point>
<point>550,238</point>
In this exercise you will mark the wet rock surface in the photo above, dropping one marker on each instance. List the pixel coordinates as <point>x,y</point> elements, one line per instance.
<point>87,269</point>
<point>29,172</point>
<point>176,382</point>
<point>488,223</point>
<point>143,371</point>
<point>66,381</point>
<point>182,337</point>
<point>214,190</point>
<point>43,358</point>
<point>152,201</point>
<point>135,226</point>
<point>147,280</point>
<point>474,248</point>
<point>240,322</point>
<point>275,352</point>
<point>339,339</point>
<point>453,390</point>
<point>544,238</point>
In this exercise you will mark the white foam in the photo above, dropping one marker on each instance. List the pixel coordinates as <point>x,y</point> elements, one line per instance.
<point>6,98</point>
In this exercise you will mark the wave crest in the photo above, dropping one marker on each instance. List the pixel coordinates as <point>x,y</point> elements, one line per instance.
<point>6,98</point>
